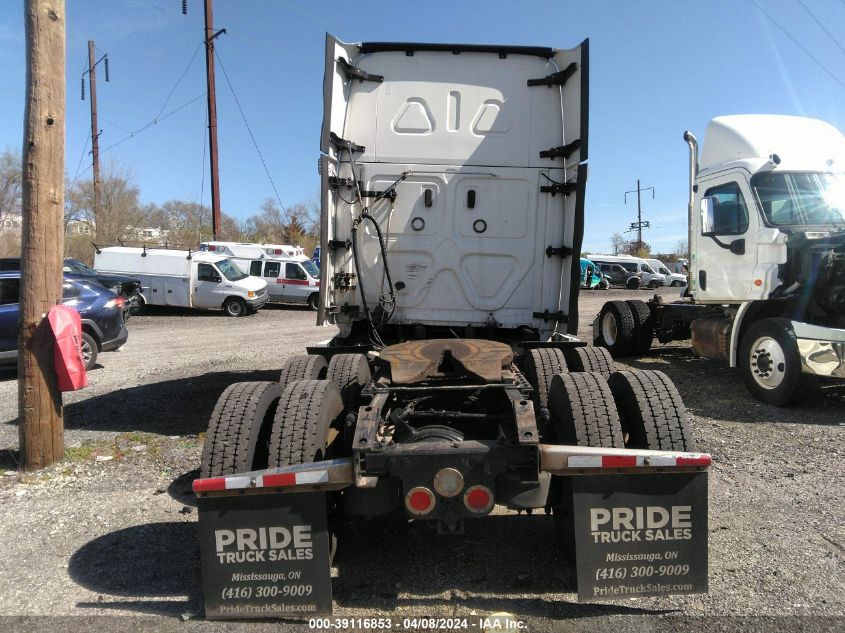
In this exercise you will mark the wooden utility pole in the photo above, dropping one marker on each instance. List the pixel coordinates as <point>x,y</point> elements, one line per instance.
<point>41,432</point>
<point>95,133</point>
<point>210,35</point>
<point>639,225</point>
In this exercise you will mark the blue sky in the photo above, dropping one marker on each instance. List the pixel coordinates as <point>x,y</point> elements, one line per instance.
<point>657,68</point>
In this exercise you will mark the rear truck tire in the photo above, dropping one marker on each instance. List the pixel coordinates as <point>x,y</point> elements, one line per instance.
<point>88,348</point>
<point>303,367</point>
<point>239,430</point>
<point>350,372</point>
<point>633,283</point>
<point>771,364</point>
<point>594,359</point>
<point>583,414</point>
<point>234,307</point>
<point>307,413</point>
<point>313,302</point>
<point>643,326</point>
<point>616,328</point>
<point>651,410</point>
<point>653,284</point>
<point>540,365</point>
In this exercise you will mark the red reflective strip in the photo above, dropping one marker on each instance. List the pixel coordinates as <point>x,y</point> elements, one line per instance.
<point>207,485</point>
<point>282,479</point>
<point>618,461</point>
<point>296,282</point>
<point>701,460</point>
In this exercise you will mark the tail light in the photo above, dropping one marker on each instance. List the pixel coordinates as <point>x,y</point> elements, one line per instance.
<point>448,482</point>
<point>117,302</point>
<point>419,501</point>
<point>478,499</point>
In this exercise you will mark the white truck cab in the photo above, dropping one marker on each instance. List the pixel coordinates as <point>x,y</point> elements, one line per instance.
<point>188,279</point>
<point>767,256</point>
<point>290,275</point>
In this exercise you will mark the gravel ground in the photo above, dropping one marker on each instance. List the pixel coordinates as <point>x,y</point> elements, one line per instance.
<point>108,537</point>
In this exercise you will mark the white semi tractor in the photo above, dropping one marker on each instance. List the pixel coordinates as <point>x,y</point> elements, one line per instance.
<point>766,286</point>
<point>453,188</point>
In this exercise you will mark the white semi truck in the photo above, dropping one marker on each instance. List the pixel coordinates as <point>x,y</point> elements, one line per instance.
<point>453,182</point>
<point>766,286</point>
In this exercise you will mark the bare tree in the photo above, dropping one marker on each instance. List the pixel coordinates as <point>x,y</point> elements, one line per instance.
<point>682,249</point>
<point>618,243</point>
<point>120,214</point>
<point>10,183</point>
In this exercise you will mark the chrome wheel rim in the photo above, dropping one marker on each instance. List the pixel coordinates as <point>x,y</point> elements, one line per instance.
<point>85,351</point>
<point>767,362</point>
<point>608,328</point>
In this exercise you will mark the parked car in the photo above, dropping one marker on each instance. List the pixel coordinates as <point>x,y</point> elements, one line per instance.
<point>618,275</point>
<point>635,266</point>
<point>671,279</point>
<point>592,277</point>
<point>103,328</point>
<point>126,287</point>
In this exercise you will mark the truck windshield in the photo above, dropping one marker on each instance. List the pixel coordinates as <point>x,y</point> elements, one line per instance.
<point>230,271</point>
<point>310,267</point>
<point>801,199</point>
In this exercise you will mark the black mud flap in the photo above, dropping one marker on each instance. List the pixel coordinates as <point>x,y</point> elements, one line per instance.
<point>265,556</point>
<point>640,535</point>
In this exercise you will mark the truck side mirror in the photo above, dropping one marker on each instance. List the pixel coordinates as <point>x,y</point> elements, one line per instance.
<point>708,213</point>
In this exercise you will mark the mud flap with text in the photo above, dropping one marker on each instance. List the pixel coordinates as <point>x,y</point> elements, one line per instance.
<point>265,555</point>
<point>640,535</point>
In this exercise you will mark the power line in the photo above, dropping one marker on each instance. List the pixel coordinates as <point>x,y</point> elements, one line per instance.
<point>822,26</point>
<point>181,77</point>
<point>155,121</point>
<point>243,116</point>
<point>81,158</point>
<point>798,44</point>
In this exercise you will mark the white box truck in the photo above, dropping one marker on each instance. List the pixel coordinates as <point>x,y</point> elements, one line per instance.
<point>291,276</point>
<point>187,279</point>
<point>453,182</point>
<point>766,286</point>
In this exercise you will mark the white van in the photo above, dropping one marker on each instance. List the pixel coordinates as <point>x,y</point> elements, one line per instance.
<point>291,277</point>
<point>188,279</point>
<point>670,278</point>
<point>635,265</point>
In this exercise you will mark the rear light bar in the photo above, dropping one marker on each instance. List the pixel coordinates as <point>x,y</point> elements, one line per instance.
<point>335,474</point>
<point>566,459</point>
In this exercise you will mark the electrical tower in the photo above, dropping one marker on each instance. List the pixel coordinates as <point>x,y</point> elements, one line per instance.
<point>639,225</point>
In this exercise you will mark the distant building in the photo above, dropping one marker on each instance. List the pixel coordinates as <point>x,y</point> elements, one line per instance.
<point>12,223</point>
<point>79,227</point>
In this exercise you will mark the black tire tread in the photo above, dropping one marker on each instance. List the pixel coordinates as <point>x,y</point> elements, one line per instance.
<point>594,359</point>
<point>625,326</point>
<point>350,372</point>
<point>583,410</point>
<point>234,427</point>
<point>303,367</point>
<point>540,365</point>
<point>301,424</point>
<point>643,326</point>
<point>652,411</point>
